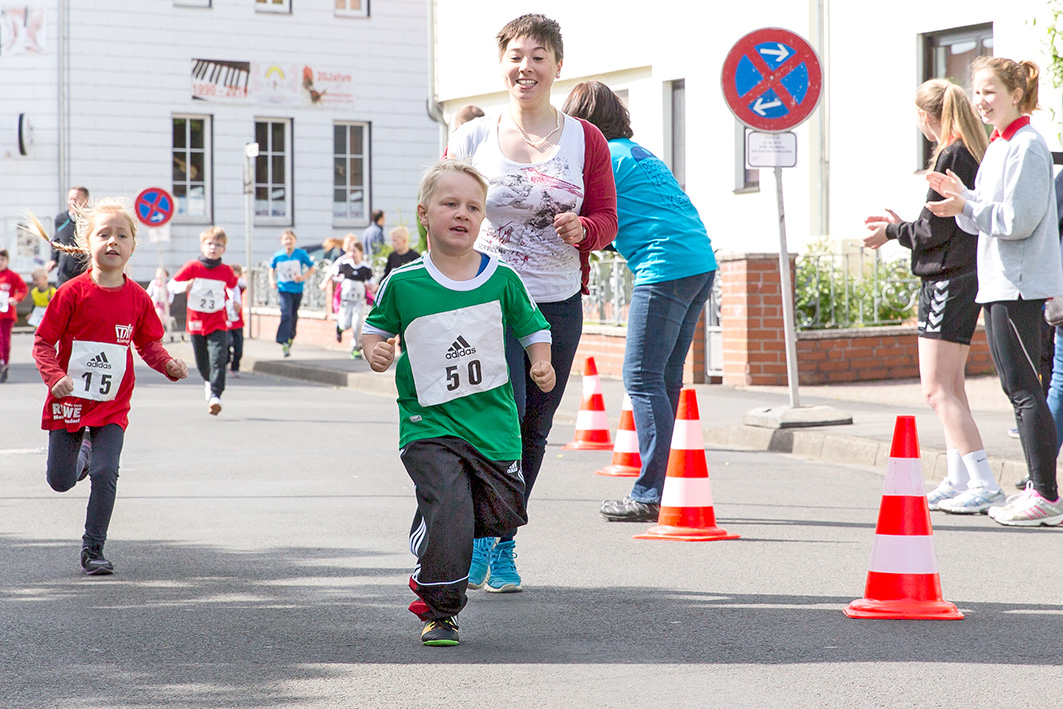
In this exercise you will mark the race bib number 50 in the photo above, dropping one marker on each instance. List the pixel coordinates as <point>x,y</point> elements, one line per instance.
<point>457,353</point>
<point>97,369</point>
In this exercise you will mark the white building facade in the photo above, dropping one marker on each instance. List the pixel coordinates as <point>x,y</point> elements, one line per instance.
<point>123,95</point>
<point>858,153</point>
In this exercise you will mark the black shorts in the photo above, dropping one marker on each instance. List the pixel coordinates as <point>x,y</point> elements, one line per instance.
<point>947,310</point>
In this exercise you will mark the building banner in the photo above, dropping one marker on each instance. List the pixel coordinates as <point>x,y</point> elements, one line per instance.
<point>272,84</point>
<point>22,31</point>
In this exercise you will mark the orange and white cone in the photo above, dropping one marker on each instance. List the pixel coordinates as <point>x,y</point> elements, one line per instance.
<point>592,424</point>
<point>627,463</point>
<point>902,580</point>
<point>687,514</point>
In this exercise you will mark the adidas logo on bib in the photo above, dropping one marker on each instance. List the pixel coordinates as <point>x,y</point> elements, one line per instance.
<point>99,362</point>
<point>460,348</point>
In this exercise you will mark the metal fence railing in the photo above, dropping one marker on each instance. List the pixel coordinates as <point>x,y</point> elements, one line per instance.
<point>855,289</point>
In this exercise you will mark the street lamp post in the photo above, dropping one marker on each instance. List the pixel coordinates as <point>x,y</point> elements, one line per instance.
<point>250,153</point>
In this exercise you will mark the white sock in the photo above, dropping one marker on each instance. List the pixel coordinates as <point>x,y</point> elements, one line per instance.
<point>957,474</point>
<point>977,464</point>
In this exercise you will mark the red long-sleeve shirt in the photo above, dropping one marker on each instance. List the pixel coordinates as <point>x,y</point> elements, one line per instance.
<point>12,290</point>
<point>90,318</point>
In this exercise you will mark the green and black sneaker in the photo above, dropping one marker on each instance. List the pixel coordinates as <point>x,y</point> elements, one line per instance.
<point>440,632</point>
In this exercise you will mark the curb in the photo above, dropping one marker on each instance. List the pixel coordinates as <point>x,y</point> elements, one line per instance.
<point>845,450</point>
<point>829,447</point>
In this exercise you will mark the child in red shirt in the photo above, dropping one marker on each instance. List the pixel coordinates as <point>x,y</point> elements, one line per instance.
<point>206,280</point>
<point>234,314</point>
<point>82,348</point>
<point>12,290</point>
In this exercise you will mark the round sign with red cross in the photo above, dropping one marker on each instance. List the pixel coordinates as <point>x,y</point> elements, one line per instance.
<point>154,206</point>
<point>772,80</point>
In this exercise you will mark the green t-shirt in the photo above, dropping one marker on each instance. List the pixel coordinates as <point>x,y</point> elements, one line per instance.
<point>452,376</point>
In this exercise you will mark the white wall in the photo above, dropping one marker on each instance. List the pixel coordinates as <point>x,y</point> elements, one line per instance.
<point>871,68</point>
<point>130,64</point>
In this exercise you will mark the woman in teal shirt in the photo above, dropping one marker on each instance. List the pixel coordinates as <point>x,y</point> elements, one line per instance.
<point>667,248</point>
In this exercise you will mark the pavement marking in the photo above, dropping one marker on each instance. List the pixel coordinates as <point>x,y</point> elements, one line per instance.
<point>22,451</point>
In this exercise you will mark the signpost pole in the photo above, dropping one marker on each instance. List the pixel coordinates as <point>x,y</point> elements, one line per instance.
<point>772,81</point>
<point>789,330</point>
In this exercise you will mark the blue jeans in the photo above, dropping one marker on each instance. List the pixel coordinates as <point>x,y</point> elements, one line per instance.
<point>535,407</point>
<point>289,305</point>
<point>660,328</point>
<point>1055,389</point>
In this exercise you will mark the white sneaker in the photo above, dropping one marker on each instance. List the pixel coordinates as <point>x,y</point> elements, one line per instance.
<point>215,406</point>
<point>973,501</point>
<point>944,491</point>
<point>1029,509</point>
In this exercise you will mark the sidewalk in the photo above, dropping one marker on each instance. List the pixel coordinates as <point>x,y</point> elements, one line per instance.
<point>866,442</point>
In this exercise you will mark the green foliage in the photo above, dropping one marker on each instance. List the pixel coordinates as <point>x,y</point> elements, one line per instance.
<point>828,295</point>
<point>1054,42</point>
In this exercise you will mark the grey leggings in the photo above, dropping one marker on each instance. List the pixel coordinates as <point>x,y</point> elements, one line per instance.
<point>63,468</point>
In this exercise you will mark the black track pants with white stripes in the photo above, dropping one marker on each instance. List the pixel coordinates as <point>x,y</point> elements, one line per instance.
<point>460,495</point>
<point>1013,329</point>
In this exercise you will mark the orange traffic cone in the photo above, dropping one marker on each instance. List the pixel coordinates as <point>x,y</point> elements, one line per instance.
<point>626,459</point>
<point>902,580</point>
<point>592,425</point>
<point>686,502</point>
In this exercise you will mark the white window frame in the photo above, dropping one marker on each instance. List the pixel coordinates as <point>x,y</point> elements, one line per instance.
<point>747,179</point>
<point>266,152</point>
<point>208,177</point>
<point>284,7</point>
<point>346,11</point>
<point>191,3</point>
<point>367,200</point>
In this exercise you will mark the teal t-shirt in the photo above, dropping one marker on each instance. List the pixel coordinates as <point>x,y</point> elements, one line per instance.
<point>660,232</point>
<point>452,376</point>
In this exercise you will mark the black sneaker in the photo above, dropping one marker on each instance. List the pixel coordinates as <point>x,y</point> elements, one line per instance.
<point>1021,484</point>
<point>440,632</point>
<point>92,561</point>
<point>84,457</point>
<point>339,335</point>
<point>628,510</point>
<point>3,371</point>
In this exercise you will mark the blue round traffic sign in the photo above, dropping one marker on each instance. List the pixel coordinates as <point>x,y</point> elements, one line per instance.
<point>154,206</point>
<point>772,80</point>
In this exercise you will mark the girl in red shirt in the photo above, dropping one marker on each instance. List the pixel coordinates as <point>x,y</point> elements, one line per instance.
<point>12,290</point>
<point>82,348</point>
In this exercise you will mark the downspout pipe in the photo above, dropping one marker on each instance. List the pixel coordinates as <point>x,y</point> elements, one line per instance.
<point>435,112</point>
<point>62,107</point>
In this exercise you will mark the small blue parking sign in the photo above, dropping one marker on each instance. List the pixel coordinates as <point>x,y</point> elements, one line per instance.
<point>154,206</point>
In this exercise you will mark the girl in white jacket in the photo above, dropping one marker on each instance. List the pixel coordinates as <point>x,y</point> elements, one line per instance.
<point>1012,208</point>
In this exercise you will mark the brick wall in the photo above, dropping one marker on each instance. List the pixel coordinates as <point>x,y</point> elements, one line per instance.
<point>754,349</point>
<point>874,353</point>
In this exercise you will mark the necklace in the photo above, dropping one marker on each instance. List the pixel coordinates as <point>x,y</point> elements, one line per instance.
<point>538,144</point>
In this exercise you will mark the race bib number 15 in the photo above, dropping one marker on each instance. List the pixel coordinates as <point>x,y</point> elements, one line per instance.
<point>97,369</point>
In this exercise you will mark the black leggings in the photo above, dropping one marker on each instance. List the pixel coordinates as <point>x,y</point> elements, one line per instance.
<point>1013,329</point>
<point>63,468</point>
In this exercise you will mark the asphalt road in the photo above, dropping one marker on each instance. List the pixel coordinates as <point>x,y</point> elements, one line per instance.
<point>261,561</point>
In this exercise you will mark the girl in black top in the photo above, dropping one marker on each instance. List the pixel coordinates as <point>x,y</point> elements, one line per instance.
<point>944,256</point>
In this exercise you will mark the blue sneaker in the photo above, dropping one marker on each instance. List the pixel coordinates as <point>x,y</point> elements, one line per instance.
<point>481,557</point>
<point>503,576</point>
